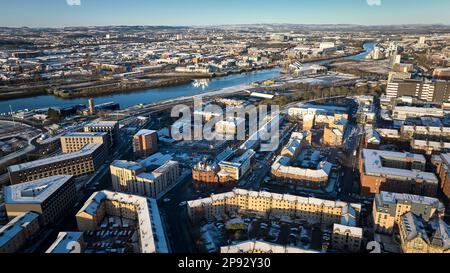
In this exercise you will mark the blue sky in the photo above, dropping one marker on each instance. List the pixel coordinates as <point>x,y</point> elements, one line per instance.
<point>57,13</point>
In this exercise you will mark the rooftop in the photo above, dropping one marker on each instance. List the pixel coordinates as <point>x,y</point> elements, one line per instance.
<point>15,226</point>
<point>86,150</point>
<point>34,192</point>
<point>151,233</point>
<point>264,247</point>
<point>373,165</point>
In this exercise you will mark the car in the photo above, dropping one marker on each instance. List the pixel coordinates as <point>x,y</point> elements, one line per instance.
<point>182,204</point>
<point>167,200</point>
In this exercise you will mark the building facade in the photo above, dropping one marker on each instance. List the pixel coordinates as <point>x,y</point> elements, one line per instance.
<point>145,143</point>
<point>389,207</point>
<point>395,172</point>
<point>83,162</point>
<point>109,127</point>
<point>73,142</point>
<point>436,91</point>
<point>150,233</point>
<point>14,235</point>
<point>51,197</point>
<point>148,178</point>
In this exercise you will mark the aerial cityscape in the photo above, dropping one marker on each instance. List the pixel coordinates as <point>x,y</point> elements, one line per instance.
<point>186,133</point>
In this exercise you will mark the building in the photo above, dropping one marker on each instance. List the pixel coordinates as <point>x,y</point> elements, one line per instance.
<point>395,172</point>
<point>110,127</point>
<point>332,137</point>
<point>260,247</point>
<point>73,142</point>
<point>236,166</point>
<point>347,238</point>
<point>435,91</point>
<point>150,233</point>
<point>442,73</point>
<point>148,178</point>
<point>404,112</point>
<point>285,172</point>
<point>272,206</point>
<point>14,235</point>
<point>85,161</point>
<point>443,169</point>
<point>51,197</point>
<point>145,143</point>
<point>389,207</point>
<point>420,236</point>
<point>91,107</point>
<point>230,126</point>
<point>67,242</point>
<point>205,175</point>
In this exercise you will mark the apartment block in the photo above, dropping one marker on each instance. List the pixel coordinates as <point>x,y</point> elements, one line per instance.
<point>433,91</point>
<point>442,163</point>
<point>14,235</point>
<point>73,142</point>
<point>109,127</point>
<point>146,178</point>
<point>51,197</point>
<point>274,206</point>
<point>420,236</point>
<point>145,143</point>
<point>389,207</point>
<point>85,161</point>
<point>395,172</point>
<point>143,211</point>
<point>259,247</point>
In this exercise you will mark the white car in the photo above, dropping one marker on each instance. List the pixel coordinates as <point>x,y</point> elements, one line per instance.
<point>167,200</point>
<point>182,204</point>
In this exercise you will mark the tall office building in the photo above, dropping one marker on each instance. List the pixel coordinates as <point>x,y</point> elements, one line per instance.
<point>145,143</point>
<point>435,91</point>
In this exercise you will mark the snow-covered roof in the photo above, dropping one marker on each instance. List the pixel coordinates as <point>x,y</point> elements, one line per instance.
<point>264,247</point>
<point>151,233</point>
<point>85,151</point>
<point>34,192</point>
<point>373,165</point>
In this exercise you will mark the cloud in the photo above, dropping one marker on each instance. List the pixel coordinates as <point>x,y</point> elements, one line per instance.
<point>374,2</point>
<point>73,2</point>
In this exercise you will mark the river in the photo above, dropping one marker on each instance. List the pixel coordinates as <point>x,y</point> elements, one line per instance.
<point>157,94</point>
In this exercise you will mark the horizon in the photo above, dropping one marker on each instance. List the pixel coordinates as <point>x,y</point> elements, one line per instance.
<point>202,13</point>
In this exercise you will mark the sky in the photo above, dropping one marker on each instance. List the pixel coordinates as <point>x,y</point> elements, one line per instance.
<point>61,13</point>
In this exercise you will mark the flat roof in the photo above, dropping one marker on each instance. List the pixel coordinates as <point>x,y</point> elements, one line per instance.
<point>145,132</point>
<point>102,123</point>
<point>34,192</point>
<point>85,134</point>
<point>373,165</point>
<point>264,247</point>
<point>86,150</point>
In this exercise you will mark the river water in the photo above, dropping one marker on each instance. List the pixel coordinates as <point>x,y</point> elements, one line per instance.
<point>157,94</point>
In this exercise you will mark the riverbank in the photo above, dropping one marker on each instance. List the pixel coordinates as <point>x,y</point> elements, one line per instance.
<point>120,87</point>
